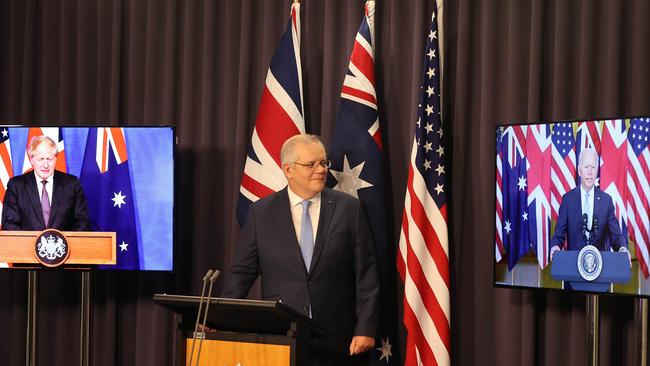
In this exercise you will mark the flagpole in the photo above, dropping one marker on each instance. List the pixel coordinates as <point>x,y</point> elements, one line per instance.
<point>641,331</point>
<point>593,320</point>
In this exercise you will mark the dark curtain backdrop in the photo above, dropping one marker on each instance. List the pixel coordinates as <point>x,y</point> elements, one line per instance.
<point>200,66</point>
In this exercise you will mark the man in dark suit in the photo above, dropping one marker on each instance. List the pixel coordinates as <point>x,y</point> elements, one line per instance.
<point>313,248</point>
<point>587,214</point>
<point>44,198</point>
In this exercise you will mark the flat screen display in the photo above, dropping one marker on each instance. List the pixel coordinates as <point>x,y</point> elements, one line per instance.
<point>572,206</point>
<point>127,176</point>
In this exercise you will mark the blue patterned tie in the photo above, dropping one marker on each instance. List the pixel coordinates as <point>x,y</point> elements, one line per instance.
<point>306,234</point>
<point>587,207</point>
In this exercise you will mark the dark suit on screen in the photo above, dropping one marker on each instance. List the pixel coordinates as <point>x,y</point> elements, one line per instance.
<point>570,222</point>
<point>22,204</point>
<point>342,285</point>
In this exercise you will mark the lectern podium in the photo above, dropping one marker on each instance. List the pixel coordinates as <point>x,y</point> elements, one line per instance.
<point>615,269</point>
<point>249,332</point>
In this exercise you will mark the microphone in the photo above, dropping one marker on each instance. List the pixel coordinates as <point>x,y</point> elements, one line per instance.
<point>205,315</point>
<point>594,228</point>
<point>208,274</point>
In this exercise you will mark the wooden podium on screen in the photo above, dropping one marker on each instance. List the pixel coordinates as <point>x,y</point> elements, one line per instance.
<point>249,332</point>
<point>85,248</point>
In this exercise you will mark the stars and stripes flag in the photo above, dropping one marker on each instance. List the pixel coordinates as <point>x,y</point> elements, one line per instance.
<point>563,166</point>
<point>357,169</point>
<point>280,116</point>
<point>423,259</point>
<point>106,181</point>
<point>538,155</point>
<point>515,200</point>
<point>498,246</point>
<point>56,134</point>
<point>638,189</point>
<point>6,169</point>
<point>613,165</point>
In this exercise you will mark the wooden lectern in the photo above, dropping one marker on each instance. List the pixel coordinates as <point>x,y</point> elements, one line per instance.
<point>86,247</point>
<point>249,332</point>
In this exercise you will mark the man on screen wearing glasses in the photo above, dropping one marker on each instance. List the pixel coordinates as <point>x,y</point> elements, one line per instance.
<point>313,249</point>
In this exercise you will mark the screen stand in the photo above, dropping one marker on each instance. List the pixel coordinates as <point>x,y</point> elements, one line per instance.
<point>84,347</point>
<point>30,342</point>
<point>593,320</point>
<point>641,331</point>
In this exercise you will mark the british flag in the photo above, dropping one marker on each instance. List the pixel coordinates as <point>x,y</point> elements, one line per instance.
<point>423,258</point>
<point>613,165</point>
<point>56,134</point>
<point>538,154</point>
<point>638,189</point>
<point>563,166</point>
<point>280,116</point>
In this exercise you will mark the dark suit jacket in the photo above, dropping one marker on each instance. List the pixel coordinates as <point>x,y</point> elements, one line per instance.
<point>342,285</point>
<point>22,204</point>
<point>569,222</point>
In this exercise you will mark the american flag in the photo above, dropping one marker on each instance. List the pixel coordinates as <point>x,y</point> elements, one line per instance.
<point>279,117</point>
<point>423,260</point>
<point>563,166</point>
<point>638,189</point>
<point>6,170</point>
<point>357,169</point>
<point>498,247</point>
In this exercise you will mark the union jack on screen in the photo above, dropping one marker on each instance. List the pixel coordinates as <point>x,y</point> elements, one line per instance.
<point>280,116</point>
<point>423,259</point>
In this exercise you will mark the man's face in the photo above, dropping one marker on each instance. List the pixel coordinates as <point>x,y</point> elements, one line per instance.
<point>304,181</point>
<point>43,160</point>
<point>588,170</point>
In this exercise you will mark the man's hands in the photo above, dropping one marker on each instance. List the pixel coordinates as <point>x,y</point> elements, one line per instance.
<point>629,257</point>
<point>554,249</point>
<point>361,344</point>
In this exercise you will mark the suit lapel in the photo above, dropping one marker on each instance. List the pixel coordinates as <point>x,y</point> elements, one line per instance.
<point>327,206</point>
<point>32,189</point>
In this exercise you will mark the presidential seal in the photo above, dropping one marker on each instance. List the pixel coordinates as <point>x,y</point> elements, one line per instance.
<point>51,248</point>
<point>590,263</point>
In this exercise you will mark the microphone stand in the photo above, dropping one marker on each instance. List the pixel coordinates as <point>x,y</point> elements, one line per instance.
<point>198,314</point>
<point>205,315</point>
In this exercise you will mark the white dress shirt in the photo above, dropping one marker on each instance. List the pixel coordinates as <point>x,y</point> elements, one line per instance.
<point>296,212</point>
<point>48,186</point>
<point>590,211</point>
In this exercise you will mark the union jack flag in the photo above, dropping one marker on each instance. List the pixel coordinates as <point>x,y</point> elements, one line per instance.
<point>423,260</point>
<point>563,166</point>
<point>613,165</point>
<point>638,189</point>
<point>538,154</point>
<point>106,180</point>
<point>56,134</point>
<point>357,169</point>
<point>279,117</point>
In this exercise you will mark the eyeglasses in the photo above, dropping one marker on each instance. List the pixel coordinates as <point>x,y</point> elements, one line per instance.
<point>313,164</point>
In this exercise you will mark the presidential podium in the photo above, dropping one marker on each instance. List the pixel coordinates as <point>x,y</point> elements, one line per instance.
<point>246,332</point>
<point>585,271</point>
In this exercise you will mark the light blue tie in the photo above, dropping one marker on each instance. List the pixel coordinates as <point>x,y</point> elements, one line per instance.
<point>306,234</point>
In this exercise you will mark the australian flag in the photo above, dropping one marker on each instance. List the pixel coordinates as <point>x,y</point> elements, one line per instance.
<point>357,169</point>
<point>516,237</point>
<point>107,184</point>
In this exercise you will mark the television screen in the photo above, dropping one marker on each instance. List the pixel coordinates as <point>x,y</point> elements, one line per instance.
<point>572,206</point>
<point>127,177</point>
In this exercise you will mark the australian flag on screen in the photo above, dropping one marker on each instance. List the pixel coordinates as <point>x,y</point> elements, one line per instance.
<point>516,238</point>
<point>107,184</point>
<point>357,169</point>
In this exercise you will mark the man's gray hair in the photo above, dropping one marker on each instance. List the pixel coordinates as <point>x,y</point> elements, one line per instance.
<point>583,152</point>
<point>287,153</point>
<point>37,141</point>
